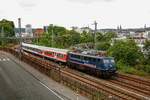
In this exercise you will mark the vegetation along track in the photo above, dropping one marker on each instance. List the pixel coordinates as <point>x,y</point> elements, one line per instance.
<point>112,88</point>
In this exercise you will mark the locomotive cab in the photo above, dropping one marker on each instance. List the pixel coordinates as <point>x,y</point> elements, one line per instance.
<point>107,66</point>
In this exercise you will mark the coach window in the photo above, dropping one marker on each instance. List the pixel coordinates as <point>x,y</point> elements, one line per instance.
<point>49,53</point>
<point>58,55</point>
<point>53,53</point>
<point>62,56</point>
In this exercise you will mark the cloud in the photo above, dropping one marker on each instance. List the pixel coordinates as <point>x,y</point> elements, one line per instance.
<point>90,1</point>
<point>27,3</point>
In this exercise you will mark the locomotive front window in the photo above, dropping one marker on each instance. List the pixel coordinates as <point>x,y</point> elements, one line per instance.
<point>112,61</point>
<point>106,61</point>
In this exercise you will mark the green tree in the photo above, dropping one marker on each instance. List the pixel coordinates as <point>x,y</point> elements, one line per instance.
<point>58,36</point>
<point>146,49</point>
<point>74,37</point>
<point>126,51</point>
<point>86,37</point>
<point>7,27</point>
<point>99,37</point>
<point>103,46</point>
<point>108,36</point>
<point>62,38</point>
<point>57,30</point>
<point>45,40</point>
<point>68,39</point>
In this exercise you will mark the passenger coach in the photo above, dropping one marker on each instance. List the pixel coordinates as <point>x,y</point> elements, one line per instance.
<point>50,53</point>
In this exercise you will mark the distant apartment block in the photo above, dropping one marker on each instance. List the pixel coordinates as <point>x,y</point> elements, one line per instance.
<point>28,30</point>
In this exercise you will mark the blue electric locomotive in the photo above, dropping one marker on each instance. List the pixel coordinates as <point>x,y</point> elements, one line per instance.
<point>101,66</point>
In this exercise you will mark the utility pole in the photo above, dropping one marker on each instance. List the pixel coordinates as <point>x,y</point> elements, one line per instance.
<point>20,35</point>
<point>95,31</point>
<point>52,35</point>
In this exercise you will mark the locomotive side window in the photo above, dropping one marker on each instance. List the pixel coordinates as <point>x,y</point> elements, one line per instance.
<point>82,57</point>
<point>85,58</point>
<point>93,60</point>
<point>75,56</point>
<point>89,59</point>
<point>71,55</point>
<point>78,57</point>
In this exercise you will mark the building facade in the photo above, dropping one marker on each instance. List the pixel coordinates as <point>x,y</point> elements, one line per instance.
<point>38,32</point>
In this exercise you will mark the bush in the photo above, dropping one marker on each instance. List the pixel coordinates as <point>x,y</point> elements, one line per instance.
<point>146,68</point>
<point>126,51</point>
<point>138,70</point>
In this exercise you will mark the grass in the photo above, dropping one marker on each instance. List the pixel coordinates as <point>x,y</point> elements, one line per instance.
<point>131,70</point>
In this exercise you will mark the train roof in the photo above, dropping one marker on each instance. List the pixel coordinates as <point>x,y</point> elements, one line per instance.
<point>86,55</point>
<point>63,51</point>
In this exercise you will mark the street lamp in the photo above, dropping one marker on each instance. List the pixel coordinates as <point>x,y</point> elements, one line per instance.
<point>20,35</point>
<point>95,31</point>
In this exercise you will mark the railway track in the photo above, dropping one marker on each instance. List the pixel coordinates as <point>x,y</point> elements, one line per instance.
<point>104,88</point>
<point>122,91</point>
<point>132,87</point>
<point>138,85</point>
<point>135,79</point>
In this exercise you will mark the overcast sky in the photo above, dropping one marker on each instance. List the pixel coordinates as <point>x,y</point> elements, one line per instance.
<point>67,13</point>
